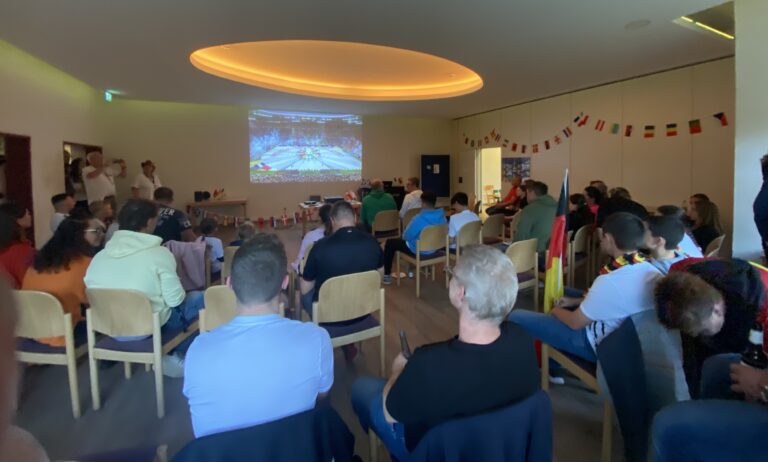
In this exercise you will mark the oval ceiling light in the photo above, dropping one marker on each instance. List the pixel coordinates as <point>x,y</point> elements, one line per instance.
<point>342,70</point>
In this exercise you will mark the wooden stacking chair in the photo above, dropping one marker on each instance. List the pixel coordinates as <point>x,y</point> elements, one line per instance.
<point>226,266</point>
<point>578,250</point>
<point>40,316</point>
<point>525,257</point>
<point>293,281</point>
<point>493,229</point>
<point>386,224</point>
<point>468,234</point>
<point>409,214</point>
<point>512,223</point>
<point>432,238</point>
<point>128,313</point>
<point>220,307</point>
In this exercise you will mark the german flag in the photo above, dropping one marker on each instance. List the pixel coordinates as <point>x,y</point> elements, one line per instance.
<point>554,286</point>
<point>671,129</point>
<point>649,131</point>
<point>694,126</point>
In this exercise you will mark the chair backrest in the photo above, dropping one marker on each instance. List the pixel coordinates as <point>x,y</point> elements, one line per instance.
<point>305,257</point>
<point>581,239</point>
<point>513,224</point>
<point>494,226</point>
<point>432,237</point>
<point>40,315</point>
<point>477,206</point>
<point>120,312</point>
<point>386,220</point>
<point>469,233</point>
<point>524,255</point>
<point>409,214</point>
<point>220,307</point>
<point>350,296</point>
<point>226,266</point>
<point>521,432</point>
<point>713,249</point>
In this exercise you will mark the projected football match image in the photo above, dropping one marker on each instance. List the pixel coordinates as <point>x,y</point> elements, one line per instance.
<point>304,147</point>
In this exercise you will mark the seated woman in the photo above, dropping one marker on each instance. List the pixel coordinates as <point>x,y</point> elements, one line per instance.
<point>706,222</point>
<point>490,365</point>
<point>315,235</point>
<point>60,266</point>
<point>714,303</point>
<point>16,252</point>
<point>579,214</point>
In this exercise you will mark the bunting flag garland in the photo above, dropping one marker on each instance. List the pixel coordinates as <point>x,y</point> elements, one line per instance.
<point>493,133</point>
<point>649,131</point>
<point>486,140</point>
<point>522,150</point>
<point>694,126</point>
<point>600,125</point>
<point>583,121</point>
<point>628,131</point>
<point>514,147</point>
<point>671,129</point>
<point>472,144</point>
<point>567,132</point>
<point>615,128</point>
<point>506,142</point>
<point>722,118</point>
<point>577,118</point>
<point>558,140</point>
<point>546,145</point>
<point>466,140</point>
<point>535,148</point>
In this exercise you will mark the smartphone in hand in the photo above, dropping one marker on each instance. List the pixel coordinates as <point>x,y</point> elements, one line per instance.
<point>404,347</point>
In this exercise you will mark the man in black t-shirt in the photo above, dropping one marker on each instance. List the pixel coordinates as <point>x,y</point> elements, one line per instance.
<point>172,224</point>
<point>490,365</point>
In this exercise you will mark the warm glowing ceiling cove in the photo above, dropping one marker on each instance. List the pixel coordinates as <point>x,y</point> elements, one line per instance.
<point>342,70</point>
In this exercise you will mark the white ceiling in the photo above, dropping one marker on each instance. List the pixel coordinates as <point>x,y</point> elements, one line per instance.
<point>523,49</point>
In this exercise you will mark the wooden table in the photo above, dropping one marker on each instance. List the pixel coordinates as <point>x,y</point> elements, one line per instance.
<point>305,212</point>
<point>218,203</point>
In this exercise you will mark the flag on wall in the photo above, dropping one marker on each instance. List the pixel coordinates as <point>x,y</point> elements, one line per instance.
<point>649,131</point>
<point>671,129</point>
<point>522,149</point>
<point>600,125</point>
<point>694,126</point>
<point>615,128</point>
<point>577,118</point>
<point>497,137</point>
<point>722,118</point>
<point>514,147</point>
<point>628,131</point>
<point>466,139</point>
<point>546,145</point>
<point>558,140</point>
<point>472,144</point>
<point>487,140</point>
<point>535,148</point>
<point>505,143</point>
<point>554,286</point>
<point>567,132</point>
<point>493,133</point>
<point>583,121</point>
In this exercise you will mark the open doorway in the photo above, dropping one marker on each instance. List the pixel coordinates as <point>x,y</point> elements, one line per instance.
<point>488,176</point>
<point>16,173</point>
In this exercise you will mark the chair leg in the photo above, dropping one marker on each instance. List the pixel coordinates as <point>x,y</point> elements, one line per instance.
<point>418,283</point>
<point>607,431</point>
<point>127,367</point>
<point>159,390</point>
<point>536,306</point>
<point>74,392</point>
<point>544,367</point>
<point>398,269</point>
<point>147,367</point>
<point>373,441</point>
<point>93,365</point>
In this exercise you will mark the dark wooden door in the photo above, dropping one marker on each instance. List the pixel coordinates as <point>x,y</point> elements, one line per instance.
<point>18,174</point>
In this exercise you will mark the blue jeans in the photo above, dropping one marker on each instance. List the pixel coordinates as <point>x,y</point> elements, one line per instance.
<point>553,332</point>
<point>368,403</point>
<point>714,429</point>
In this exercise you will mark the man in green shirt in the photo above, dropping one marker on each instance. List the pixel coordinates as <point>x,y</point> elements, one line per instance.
<point>537,218</point>
<point>376,201</point>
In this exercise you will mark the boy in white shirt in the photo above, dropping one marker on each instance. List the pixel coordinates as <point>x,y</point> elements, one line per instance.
<point>461,216</point>
<point>624,287</point>
<point>62,204</point>
<point>208,227</point>
<point>412,200</point>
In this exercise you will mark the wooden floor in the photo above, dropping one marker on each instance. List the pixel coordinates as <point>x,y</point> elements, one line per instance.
<point>127,417</point>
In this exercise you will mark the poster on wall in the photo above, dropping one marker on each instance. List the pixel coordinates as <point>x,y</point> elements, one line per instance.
<point>515,165</point>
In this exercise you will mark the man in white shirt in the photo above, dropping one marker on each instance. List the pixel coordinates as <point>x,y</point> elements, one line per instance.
<point>461,216</point>
<point>146,182</point>
<point>412,200</point>
<point>624,287</point>
<point>259,367</point>
<point>99,179</point>
<point>62,204</point>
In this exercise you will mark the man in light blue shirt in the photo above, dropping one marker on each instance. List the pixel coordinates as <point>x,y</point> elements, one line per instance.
<point>259,367</point>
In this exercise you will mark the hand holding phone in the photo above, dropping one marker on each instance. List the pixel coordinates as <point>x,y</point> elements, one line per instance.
<point>404,347</point>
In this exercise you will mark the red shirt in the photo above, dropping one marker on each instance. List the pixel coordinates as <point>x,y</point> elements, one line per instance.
<point>512,195</point>
<point>15,260</point>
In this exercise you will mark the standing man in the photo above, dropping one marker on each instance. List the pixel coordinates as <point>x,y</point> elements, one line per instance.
<point>172,223</point>
<point>146,182</point>
<point>412,200</point>
<point>99,179</point>
<point>376,201</point>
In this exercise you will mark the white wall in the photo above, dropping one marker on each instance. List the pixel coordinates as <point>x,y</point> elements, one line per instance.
<point>752,114</point>
<point>662,170</point>
<point>202,147</point>
<point>49,106</point>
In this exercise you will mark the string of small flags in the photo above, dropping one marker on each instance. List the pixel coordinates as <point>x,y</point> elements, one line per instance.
<point>283,221</point>
<point>581,121</point>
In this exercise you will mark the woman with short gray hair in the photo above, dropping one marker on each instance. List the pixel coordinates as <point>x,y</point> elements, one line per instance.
<point>491,363</point>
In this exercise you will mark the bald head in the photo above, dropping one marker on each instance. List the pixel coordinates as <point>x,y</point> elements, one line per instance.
<point>377,184</point>
<point>95,158</point>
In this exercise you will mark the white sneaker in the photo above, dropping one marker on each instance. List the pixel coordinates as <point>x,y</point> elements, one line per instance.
<point>386,279</point>
<point>173,366</point>
<point>556,380</point>
<point>410,274</point>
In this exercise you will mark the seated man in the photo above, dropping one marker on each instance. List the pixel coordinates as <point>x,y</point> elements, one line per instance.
<point>687,244</point>
<point>461,216</point>
<point>259,367</point>
<point>714,303</point>
<point>723,425</point>
<point>411,200</point>
<point>376,201</point>
<point>244,232</point>
<point>428,215</point>
<point>62,204</point>
<point>490,365</point>
<point>620,201</point>
<point>135,259</point>
<point>537,218</point>
<point>172,224</point>
<point>624,287</point>
<point>509,205</point>
<point>664,236</point>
